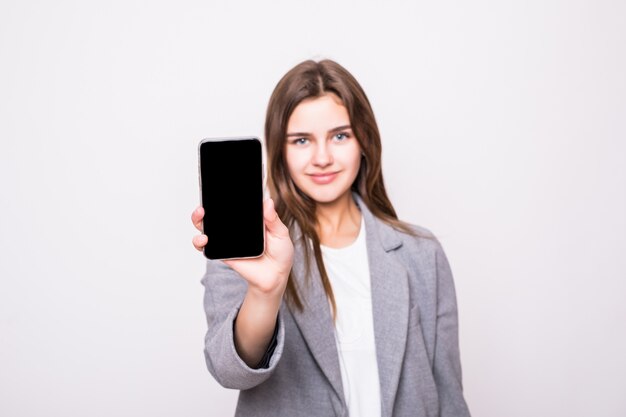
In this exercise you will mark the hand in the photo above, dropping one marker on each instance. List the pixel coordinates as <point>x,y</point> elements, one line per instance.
<point>267,274</point>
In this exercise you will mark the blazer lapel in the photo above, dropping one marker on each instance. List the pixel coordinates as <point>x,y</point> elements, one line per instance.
<point>315,322</point>
<point>390,303</point>
<point>390,307</point>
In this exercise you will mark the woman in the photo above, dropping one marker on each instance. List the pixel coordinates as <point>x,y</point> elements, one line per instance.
<point>349,311</point>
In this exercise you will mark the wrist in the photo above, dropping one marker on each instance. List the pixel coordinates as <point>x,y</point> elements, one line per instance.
<point>271,292</point>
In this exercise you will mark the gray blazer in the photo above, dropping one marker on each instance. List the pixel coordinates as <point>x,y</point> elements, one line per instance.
<point>415,326</point>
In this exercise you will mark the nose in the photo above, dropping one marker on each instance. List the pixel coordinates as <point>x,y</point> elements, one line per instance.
<point>322,156</point>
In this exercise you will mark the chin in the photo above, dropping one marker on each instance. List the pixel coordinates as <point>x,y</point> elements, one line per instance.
<point>325,196</point>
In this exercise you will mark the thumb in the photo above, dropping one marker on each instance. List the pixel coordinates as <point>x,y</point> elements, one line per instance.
<point>272,222</point>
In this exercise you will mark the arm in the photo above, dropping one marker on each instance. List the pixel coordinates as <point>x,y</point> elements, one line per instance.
<point>255,324</point>
<point>242,301</point>
<point>447,362</point>
<point>225,294</point>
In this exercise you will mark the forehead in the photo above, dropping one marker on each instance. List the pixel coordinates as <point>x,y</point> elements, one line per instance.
<point>318,114</point>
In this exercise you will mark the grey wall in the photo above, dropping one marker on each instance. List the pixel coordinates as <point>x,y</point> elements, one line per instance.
<point>504,132</point>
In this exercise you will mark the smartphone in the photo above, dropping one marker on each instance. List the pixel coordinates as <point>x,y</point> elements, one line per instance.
<point>231,174</point>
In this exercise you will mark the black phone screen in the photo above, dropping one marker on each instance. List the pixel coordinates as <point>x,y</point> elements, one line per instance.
<point>231,184</point>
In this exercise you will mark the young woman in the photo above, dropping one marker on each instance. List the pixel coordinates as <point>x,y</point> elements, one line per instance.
<point>349,311</point>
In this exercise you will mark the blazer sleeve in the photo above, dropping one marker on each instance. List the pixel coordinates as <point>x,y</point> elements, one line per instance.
<point>224,291</point>
<point>447,361</point>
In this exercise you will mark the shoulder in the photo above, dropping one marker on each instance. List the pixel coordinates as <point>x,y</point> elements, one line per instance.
<point>409,234</point>
<point>418,243</point>
<point>398,235</point>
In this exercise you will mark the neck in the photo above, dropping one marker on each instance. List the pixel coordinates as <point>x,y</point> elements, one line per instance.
<point>338,222</point>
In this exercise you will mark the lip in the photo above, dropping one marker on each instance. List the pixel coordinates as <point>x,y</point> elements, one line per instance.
<point>323,178</point>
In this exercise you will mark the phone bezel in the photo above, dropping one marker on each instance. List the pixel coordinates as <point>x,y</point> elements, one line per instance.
<point>263,182</point>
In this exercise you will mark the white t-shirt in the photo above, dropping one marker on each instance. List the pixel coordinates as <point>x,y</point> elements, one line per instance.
<point>348,272</point>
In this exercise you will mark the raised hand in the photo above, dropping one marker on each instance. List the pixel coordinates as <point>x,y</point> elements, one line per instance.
<point>269,272</point>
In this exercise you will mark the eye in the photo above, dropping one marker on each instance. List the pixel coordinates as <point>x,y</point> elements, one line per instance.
<point>339,137</point>
<point>300,141</point>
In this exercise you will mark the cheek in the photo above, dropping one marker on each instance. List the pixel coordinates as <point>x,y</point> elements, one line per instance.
<point>356,166</point>
<point>352,159</point>
<point>296,162</point>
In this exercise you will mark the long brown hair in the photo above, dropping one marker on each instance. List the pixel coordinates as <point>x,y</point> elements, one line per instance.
<point>311,79</point>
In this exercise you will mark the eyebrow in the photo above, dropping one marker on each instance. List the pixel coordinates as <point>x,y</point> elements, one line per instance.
<point>333,130</point>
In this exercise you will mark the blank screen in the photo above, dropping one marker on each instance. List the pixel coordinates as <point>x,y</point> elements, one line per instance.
<point>231,173</point>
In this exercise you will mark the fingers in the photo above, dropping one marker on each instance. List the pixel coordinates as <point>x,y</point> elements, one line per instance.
<point>200,241</point>
<point>196,218</point>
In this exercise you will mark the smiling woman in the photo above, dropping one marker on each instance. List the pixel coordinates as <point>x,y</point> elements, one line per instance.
<point>349,311</point>
<point>322,155</point>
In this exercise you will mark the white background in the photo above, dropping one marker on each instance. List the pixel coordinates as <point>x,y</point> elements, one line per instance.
<point>504,132</point>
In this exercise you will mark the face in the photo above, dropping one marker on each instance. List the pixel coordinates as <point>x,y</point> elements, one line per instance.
<point>323,156</point>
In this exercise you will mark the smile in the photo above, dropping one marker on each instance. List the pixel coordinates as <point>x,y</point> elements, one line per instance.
<point>323,178</point>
